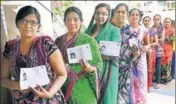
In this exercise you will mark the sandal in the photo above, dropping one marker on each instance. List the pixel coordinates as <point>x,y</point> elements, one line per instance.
<point>156,86</point>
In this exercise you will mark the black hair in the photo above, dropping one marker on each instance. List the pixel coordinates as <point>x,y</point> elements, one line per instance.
<point>73,9</point>
<point>159,17</point>
<point>147,17</point>
<point>122,4</point>
<point>112,12</point>
<point>140,13</point>
<point>24,11</point>
<point>103,5</point>
<point>173,23</point>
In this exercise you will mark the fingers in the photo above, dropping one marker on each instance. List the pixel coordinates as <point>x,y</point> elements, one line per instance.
<point>83,63</point>
<point>41,88</point>
<point>35,91</point>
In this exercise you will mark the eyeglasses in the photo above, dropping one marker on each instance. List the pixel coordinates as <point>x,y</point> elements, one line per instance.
<point>103,13</point>
<point>31,22</point>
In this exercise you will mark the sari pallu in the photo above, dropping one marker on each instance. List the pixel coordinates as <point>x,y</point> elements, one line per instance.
<point>139,81</point>
<point>166,59</point>
<point>151,57</point>
<point>109,76</point>
<point>126,60</point>
<point>82,85</point>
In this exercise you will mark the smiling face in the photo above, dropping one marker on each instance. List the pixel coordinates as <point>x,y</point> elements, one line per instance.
<point>73,22</point>
<point>167,23</point>
<point>134,17</point>
<point>147,22</point>
<point>120,14</point>
<point>101,15</point>
<point>29,26</point>
<point>156,20</point>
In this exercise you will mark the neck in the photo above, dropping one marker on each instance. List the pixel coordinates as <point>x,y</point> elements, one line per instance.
<point>25,44</point>
<point>156,25</point>
<point>134,25</point>
<point>70,35</point>
<point>98,27</point>
<point>26,41</point>
<point>120,25</point>
<point>147,27</point>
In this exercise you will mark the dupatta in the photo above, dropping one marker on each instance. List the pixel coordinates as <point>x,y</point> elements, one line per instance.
<point>106,33</point>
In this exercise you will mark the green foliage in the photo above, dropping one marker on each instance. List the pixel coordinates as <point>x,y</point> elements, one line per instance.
<point>60,10</point>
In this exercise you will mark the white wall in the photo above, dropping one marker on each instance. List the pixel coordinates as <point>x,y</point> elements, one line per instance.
<point>10,14</point>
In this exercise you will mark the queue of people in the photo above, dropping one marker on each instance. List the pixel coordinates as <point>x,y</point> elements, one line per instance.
<point>123,79</point>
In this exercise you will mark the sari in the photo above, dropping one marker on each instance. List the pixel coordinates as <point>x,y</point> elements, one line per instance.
<point>110,70</point>
<point>81,86</point>
<point>125,67</point>
<point>166,59</point>
<point>151,57</point>
<point>139,80</point>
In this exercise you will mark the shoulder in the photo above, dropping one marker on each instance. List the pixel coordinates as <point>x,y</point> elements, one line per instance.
<point>114,28</point>
<point>58,39</point>
<point>85,38</point>
<point>12,42</point>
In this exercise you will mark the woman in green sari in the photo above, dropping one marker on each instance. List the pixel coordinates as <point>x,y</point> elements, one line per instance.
<point>102,30</point>
<point>80,87</point>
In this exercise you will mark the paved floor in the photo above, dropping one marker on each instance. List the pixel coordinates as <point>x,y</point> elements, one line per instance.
<point>164,95</point>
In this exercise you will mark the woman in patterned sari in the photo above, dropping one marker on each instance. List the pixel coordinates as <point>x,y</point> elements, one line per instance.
<point>139,72</point>
<point>126,53</point>
<point>158,29</point>
<point>102,30</point>
<point>151,52</point>
<point>81,86</point>
<point>166,59</point>
<point>30,51</point>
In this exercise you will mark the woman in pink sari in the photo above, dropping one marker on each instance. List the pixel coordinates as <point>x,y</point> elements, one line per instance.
<point>139,72</point>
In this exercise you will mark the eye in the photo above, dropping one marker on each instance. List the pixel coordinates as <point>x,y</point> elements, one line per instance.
<point>34,23</point>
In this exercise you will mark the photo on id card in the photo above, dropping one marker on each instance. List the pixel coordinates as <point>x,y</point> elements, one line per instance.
<point>110,48</point>
<point>75,54</point>
<point>33,76</point>
<point>133,41</point>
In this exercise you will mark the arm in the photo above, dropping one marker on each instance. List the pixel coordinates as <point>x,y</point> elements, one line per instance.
<point>161,39</point>
<point>146,44</point>
<point>5,76</point>
<point>57,64</point>
<point>58,67</point>
<point>155,40</point>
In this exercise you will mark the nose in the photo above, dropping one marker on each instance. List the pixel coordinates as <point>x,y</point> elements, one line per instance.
<point>120,14</point>
<point>28,24</point>
<point>71,22</point>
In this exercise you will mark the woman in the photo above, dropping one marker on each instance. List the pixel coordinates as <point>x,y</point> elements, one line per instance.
<point>121,15</point>
<point>166,59</point>
<point>159,30</point>
<point>139,80</point>
<point>102,30</point>
<point>30,51</point>
<point>125,65</point>
<point>173,69</point>
<point>80,87</point>
<point>151,53</point>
